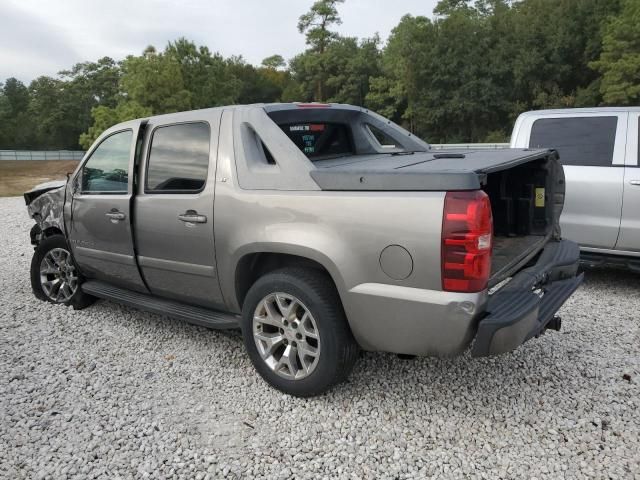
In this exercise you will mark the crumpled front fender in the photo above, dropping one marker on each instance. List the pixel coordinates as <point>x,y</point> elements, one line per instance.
<point>47,210</point>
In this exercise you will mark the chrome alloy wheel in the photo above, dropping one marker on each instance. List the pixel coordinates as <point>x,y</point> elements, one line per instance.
<point>58,275</point>
<point>286,335</point>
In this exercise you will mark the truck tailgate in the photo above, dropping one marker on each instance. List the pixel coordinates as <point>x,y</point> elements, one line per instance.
<point>526,306</point>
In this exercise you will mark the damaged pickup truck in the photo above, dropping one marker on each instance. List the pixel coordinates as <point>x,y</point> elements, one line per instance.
<point>319,229</point>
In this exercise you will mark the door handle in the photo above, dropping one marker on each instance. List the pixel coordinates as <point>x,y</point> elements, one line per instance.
<point>115,216</point>
<point>635,182</point>
<point>191,216</point>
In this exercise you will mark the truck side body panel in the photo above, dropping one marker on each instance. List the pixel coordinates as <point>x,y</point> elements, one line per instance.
<point>346,232</point>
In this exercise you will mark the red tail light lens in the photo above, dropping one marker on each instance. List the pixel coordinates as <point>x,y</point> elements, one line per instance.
<point>467,240</point>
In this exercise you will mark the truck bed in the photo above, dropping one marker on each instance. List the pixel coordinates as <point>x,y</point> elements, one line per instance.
<point>511,178</point>
<point>507,250</point>
<point>433,170</point>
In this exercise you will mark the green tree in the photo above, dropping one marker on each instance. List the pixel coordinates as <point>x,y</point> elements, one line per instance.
<point>154,80</point>
<point>105,117</point>
<point>15,131</point>
<point>257,85</point>
<point>208,77</point>
<point>97,81</point>
<point>619,62</point>
<point>274,62</point>
<point>463,76</point>
<point>349,66</point>
<point>468,73</point>
<point>316,24</point>
<point>51,127</point>
<point>80,89</point>
<point>17,95</point>
<point>552,44</point>
<point>274,71</point>
<point>397,91</point>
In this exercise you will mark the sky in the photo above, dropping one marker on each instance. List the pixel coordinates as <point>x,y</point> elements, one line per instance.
<point>40,37</point>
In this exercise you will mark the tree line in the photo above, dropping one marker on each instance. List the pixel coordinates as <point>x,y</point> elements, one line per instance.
<point>462,76</point>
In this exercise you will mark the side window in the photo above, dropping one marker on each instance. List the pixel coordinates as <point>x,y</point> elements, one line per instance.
<point>107,170</point>
<point>586,141</point>
<point>382,138</point>
<point>178,159</point>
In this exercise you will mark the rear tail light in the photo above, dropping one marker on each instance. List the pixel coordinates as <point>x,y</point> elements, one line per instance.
<point>467,240</point>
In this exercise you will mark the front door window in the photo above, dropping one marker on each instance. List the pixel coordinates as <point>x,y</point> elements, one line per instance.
<point>107,170</point>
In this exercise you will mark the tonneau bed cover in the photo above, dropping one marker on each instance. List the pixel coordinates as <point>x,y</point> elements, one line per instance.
<point>433,170</point>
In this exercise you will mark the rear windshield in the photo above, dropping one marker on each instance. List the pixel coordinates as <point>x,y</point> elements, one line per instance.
<point>320,140</point>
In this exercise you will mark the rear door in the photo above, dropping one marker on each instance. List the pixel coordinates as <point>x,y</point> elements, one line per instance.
<point>592,152</point>
<point>174,210</point>
<point>100,222</point>
<point>629,238</point>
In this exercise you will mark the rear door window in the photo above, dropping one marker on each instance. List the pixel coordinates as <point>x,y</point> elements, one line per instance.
<point>586,141</point>
<point>178,158</point>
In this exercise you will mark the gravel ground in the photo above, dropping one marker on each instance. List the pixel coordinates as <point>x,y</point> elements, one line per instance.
<point>109,392</point>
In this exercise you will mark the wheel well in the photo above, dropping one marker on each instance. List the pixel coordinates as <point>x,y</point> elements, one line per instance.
<point>51,231</point>
<point>38,235</point>
<point>253,266</point>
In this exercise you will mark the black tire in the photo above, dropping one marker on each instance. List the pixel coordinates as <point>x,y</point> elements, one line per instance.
<point>79,299</point>
<point>316,291</point>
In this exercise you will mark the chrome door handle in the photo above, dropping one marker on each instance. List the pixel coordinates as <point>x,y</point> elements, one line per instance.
<point>116,216</point>
<point>191,216</point>
<point>635,182</point>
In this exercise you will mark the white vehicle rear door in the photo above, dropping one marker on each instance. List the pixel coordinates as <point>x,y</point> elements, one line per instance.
<point>592,152</point>
<point>629,238</point>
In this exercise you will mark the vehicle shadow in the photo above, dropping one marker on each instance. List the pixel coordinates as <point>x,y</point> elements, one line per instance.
<point>579,361</point>
<point>529,377</point>
<point>609,275</point>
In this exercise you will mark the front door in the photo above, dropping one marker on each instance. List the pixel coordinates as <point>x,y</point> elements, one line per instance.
<point>100,222</point>
<point>173,214</point>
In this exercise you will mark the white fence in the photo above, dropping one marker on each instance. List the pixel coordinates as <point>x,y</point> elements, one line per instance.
<point>41,155</point>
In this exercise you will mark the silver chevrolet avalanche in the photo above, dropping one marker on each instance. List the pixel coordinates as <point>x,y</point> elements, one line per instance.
<point>318,229</point>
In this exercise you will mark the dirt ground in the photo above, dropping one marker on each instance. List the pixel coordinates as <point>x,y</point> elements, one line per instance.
<point>16,177</point>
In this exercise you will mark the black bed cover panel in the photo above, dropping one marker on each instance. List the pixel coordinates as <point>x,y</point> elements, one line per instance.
<point>433,170</point>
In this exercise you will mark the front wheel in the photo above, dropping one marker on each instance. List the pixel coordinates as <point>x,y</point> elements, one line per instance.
<point>296,333</point>
<point>54,275</point>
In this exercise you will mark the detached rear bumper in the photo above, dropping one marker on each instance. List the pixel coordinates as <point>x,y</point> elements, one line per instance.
<point>525,307</point>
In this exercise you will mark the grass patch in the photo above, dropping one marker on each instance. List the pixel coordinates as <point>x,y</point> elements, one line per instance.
<point>17,177</point>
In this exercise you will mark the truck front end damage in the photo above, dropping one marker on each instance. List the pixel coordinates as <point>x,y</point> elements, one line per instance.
<point>45,204</point>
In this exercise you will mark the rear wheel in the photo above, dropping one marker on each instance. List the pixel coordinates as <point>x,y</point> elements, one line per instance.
<point>296,333</point>
<point>54,275</point>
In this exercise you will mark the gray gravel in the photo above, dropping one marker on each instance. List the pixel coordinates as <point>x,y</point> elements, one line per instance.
<point>109,392</point>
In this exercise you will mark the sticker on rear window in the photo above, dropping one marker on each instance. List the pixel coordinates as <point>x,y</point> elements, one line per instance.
<point>539,197</point>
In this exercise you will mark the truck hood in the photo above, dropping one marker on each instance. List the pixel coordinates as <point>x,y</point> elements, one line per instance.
<point>38,190</point>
